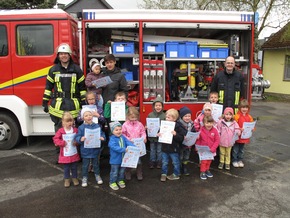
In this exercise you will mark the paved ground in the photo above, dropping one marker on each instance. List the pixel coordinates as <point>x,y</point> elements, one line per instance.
<point>31,184</point>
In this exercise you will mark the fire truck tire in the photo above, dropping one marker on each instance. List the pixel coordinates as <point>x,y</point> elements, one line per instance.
<point>10,134</point>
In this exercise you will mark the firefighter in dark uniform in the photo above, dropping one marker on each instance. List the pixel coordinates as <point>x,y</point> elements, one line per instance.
<point>65,87</point>
<point>229,84</point>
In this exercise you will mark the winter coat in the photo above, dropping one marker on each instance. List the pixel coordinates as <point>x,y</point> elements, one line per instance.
<point>174,147</point>
<point>210,138</point>
<point>88,152</point>
<point>89,79</point>
<point>198,122</point>
<point>227,133</point>
<point>118,147</point>
<point>133,129</point>
<point>58,141</point>
<point>240,118</point>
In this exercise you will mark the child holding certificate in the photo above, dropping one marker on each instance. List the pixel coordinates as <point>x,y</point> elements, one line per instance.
<point>89,137</point>
<point>186,125</point>
<point>68,155</point>
<point>228,129</point>
<point>155,146</point>
<point>241,117</point>
<point>118,146</point>
<point>208,137</point>
<point>134,129</point>
<point>171,151</point>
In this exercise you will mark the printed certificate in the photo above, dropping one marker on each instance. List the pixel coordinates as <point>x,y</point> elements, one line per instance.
<point>118,111</point>
<point>92,138</point>
<point>69,149</point>
<point>139,142</point>
<point>131,157</point>
<point>166,129</point>
<point>190,138</point>
<point>153,125</point>
<point>204,152</point>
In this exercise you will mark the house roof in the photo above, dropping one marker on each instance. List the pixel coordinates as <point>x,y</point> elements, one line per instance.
<point>280,39</point>
<point>85,4</point>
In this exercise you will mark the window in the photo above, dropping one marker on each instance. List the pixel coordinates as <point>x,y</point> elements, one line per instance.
<point>3,41</point>
<point>287,68</point>
<point>34,40</point>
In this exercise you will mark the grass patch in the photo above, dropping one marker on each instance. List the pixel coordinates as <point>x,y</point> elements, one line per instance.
<point>273,97</point>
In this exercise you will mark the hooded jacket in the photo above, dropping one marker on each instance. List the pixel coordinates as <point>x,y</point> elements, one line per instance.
<point>240,118</point>
<point>227,133</point>
<point>210,138</point>
<point>118,147</point>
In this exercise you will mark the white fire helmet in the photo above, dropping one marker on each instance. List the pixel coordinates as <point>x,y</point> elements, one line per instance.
<point>64,48</point>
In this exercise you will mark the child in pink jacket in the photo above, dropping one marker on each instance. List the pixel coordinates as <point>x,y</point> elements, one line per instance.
<point>229,130</point>
<point>132,129</point>
<point>209,136</point>
<point>68,154</point>
<point>206,111</point>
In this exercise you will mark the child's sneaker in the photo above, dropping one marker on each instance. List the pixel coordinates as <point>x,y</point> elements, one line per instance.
<point>241,164</point>
<point>75,181</point>
<point>159,164</point>
<point>235,164</point>
<point>227,167</point>
<point>84,182</point>
<point>66,183</point>
<point>221,166</point>
<point>122,184</point>
<point>208,174</point>
<point>163,178</point>
<point>173,177</point>
<point>114,186</point>
<point>203,176</point>
<point>99,179</point>
<point>151,165</point>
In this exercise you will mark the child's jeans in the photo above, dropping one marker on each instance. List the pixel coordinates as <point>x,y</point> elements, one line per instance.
<point>184,154</point>
<point>225,154</point>
<point>117,173</point>
<point>86,163</point>
<point>205,165</point>
<point>238,152</point>
<point>175,161</point>
<point>155,152</point>
<point>70,167</point>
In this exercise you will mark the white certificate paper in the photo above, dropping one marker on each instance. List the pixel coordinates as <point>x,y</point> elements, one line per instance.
<point>103,81</point>
<point>204,152</point>
<point>139,142</point>
<point>118,111</point>
<point>131,157</point>
<point>166,128</point>
<point>93,108</point>
<point>153,125</point>
<point>217,111</point>
<point>69,149</point>
<point>190,138</point>
<point>92,138</point>
<point>248,128</point>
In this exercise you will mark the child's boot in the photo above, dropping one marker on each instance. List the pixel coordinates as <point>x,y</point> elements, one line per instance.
<point>139,172</point>
<point>66,183</point>
<point>75,181</point>
<point>185,170</point>
<point>159,164</point>
<point>128,173</point>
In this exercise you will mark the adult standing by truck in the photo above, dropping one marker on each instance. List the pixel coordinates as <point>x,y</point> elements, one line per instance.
<point>65,87</point>
<point>229,84</point>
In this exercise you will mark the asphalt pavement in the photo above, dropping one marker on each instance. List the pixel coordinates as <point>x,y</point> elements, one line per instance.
<point>31,184</point>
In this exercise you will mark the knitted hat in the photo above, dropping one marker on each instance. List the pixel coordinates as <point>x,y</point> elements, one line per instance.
<point>229,110</point>
<point>114,124</point>
<point>84,110</point>
<point>207,106</point>
<point>97,63</point>
<point>183,111</point>
<point>158,99</point>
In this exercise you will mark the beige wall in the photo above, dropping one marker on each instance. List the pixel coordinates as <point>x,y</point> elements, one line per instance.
<point>273,70</point>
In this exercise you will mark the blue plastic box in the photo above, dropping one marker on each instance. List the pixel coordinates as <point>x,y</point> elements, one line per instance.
<point>181,49</point>
<point>213,52</point>
<point>123,48</point>
<point>128,75</point>
<point>153,47</point>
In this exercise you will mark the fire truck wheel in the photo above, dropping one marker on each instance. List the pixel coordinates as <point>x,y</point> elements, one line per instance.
<point>10,134</point>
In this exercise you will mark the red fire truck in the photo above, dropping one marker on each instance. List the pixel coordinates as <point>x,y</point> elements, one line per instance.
<point>167,53</point>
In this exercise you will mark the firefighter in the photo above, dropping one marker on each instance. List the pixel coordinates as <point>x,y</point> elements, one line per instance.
<point>65,87</point>
<point>229,84</point>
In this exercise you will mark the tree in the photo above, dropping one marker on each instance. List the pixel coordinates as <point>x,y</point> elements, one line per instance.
<point>27,4</point>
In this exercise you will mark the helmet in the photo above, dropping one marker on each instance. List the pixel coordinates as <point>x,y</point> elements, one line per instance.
<point>192,66</point>
<point>183,66</point>
<point>64,48</point>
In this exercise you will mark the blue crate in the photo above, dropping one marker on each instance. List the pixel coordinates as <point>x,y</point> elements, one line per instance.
<point>154,47</point>
<point>128,75</point>
<point>213,52</point>
<point>181,49</point>
<point>123,48</point>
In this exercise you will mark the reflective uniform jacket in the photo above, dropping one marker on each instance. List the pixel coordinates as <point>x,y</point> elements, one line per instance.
<point>65,88</point>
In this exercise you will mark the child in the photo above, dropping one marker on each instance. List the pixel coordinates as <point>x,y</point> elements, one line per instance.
<point>119,97</point>
<point>171,150</point>
<point>213,97</point>
<point>208,136</point>
<point>241,117</point>
<point>131,129</point>
<point>227,128</point>
<point>186,125</point>
<point>94,75</point>
<point>118,146</point>
<point>207,111</point>
<point>68,160</point>
<point>89,154</point>
<point>155,146</point>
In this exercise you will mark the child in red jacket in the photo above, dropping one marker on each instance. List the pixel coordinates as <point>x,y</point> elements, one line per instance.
<point>209,136</point>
